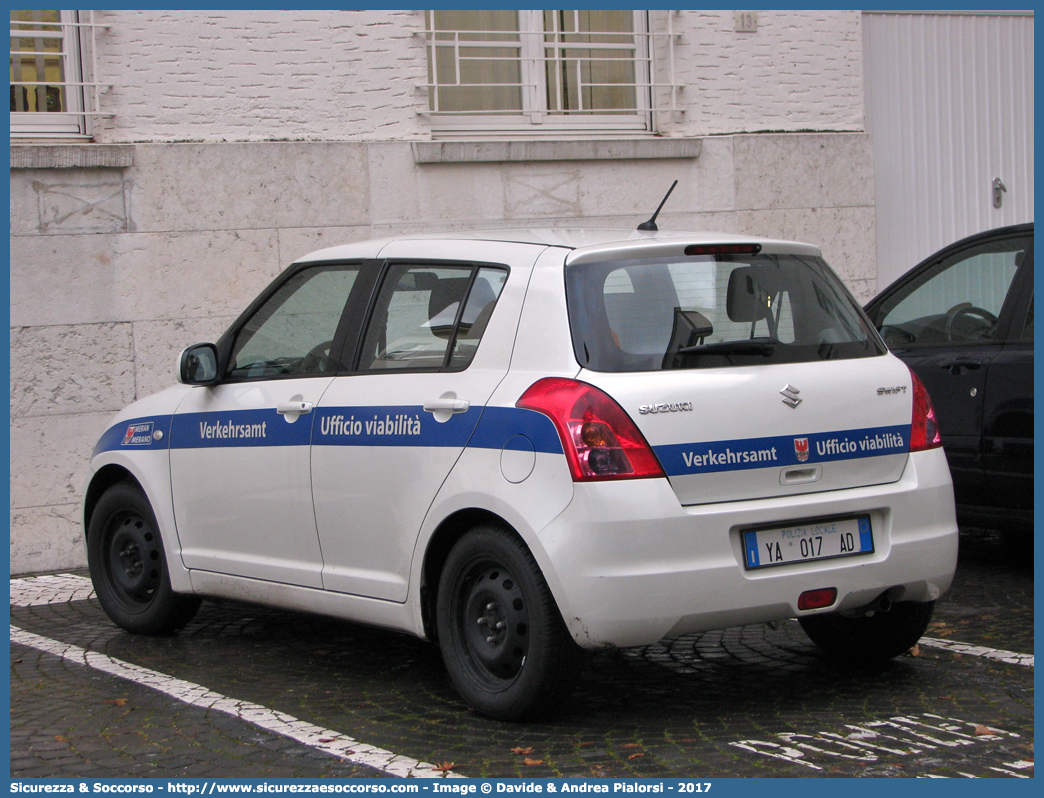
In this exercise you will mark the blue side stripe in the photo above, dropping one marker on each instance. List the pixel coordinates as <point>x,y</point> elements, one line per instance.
<point>499,425</point>
<point>401,425</point>
<point>405,425</point>
<point>136,434</point>
<point>784,450</point>
<point>238,428</point>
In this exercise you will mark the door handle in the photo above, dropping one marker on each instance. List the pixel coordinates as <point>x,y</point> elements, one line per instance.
<point>297,408</point>
<point>447,406</point>
<point>958,363</point>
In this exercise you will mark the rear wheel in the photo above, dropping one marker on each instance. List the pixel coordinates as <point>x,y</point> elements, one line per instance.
<point>505,646</point>
<point>128,566</point>
<point>874,637</point>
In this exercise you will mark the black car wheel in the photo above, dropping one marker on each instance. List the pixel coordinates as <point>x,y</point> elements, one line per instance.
<point>128,567</point>
<point>505,646</point>
<point>873,637</point>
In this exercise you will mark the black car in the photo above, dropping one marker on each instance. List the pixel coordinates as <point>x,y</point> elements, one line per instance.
<point>963,321</point>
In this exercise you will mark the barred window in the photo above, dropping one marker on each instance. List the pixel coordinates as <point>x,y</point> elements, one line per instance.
<point>51,94</point>
<point>546,71</point>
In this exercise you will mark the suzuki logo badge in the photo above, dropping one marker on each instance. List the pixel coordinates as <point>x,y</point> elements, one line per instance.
<point>790,395</point>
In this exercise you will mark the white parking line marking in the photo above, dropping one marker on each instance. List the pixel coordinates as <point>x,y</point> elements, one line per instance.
<point>327,740</point>
<point>979,651</point>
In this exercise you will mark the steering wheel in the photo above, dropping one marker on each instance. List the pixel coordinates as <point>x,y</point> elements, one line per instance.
<point>317,359</point>
<point>968,309</point>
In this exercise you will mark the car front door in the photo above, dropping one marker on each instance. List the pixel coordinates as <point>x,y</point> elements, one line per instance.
<point>947,320</point>
<point>387,435</point>
<point>239,450</point>
<point>1008,413</point>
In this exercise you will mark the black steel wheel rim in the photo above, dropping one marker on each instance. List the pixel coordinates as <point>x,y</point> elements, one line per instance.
<point>133,560</point>
<point>493,620</point>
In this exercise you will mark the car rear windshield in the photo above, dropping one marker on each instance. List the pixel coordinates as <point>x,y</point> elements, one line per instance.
<point>710,311</point>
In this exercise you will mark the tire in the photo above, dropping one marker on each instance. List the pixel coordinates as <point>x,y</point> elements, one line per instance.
<point>128,566</point>
<point>504,643</point>
<point>874,637</point>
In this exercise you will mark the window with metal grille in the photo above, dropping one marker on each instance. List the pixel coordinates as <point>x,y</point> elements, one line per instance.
<point>51,94</point>
<point>546,71</point>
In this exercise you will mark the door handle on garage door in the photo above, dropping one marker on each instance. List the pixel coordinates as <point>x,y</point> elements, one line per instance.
<point>293,407</point>
<point>447,406</point>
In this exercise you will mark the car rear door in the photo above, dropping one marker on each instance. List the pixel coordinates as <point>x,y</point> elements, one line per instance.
<point>436,344</point>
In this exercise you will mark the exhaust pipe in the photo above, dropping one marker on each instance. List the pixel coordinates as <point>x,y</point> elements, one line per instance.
<point>880,604</point>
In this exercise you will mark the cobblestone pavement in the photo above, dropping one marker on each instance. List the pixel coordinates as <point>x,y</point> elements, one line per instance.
<point>750,701</point>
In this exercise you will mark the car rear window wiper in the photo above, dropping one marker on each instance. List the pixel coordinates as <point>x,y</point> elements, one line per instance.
<point>750,346</point>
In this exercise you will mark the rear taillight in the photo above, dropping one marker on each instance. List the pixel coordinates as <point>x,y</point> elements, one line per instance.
<point>599,438</point>
<point>924,431</point>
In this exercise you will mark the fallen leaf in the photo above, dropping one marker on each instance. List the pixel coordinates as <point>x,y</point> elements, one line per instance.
<point>945,697</point>
<point>61,739</point>
<point>445,767</point>
<point>117,701</point>
<point>521,750</point>
<point>915,651</point>
<point>983,731</point>
<point>528,761</point>
<point>585,745</point>
<point>328,739</point>
<point>635,756</point>
<point>16,661</point>
<point>629,745</point>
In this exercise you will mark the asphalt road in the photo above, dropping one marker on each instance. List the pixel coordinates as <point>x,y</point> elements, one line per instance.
<point>250,692</point>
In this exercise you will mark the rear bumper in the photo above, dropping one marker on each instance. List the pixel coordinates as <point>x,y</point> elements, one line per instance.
<point>629,565</point>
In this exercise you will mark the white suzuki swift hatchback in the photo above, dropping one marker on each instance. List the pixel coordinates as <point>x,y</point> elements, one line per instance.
<point>525,444</point>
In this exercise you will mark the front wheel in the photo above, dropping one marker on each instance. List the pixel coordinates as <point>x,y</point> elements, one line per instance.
<point>128,566</point>
<point>502,638</point>
<point>874,637</point>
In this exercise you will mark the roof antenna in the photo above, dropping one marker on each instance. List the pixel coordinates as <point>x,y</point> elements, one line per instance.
<point>650,225</point>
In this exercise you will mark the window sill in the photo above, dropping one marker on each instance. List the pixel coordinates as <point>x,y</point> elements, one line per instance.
<point>433,152</point>
<point>71,156</point>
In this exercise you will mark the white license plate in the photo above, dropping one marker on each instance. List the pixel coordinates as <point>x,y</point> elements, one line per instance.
<point>808,540</point>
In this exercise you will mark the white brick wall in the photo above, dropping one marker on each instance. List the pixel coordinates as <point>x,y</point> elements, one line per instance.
<point>801,70</point>
<point>356,75</point>
<point>261,75</point>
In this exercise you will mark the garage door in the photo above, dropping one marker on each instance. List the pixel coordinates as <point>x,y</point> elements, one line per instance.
<point>949,104</point>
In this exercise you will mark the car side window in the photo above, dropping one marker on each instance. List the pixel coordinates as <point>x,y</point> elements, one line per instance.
<point>430,317</point>
<point>291,334</point>
<point>956,300</point>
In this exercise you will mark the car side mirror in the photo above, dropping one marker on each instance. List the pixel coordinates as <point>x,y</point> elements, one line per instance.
<point>198,365</point>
